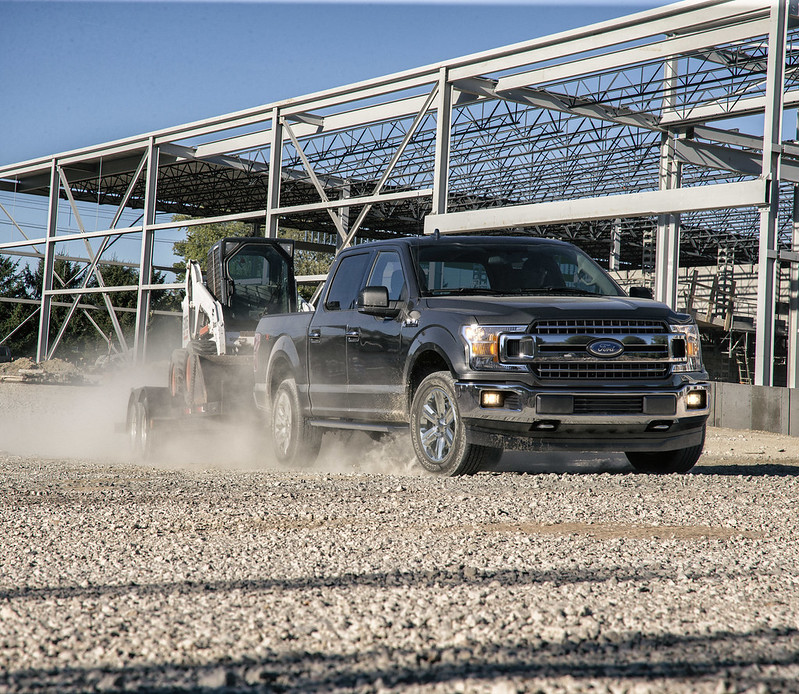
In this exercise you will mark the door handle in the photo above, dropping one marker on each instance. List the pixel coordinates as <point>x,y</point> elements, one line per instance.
<point>315,335</point>
<point>353,334</point>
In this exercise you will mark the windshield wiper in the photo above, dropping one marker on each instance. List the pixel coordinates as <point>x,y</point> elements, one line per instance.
<point>559,290</point>
<point>464,290</point>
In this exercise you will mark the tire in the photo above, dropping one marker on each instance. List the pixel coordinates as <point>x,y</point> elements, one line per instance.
<point>667,462</point>
<point>294,442</point>
<point>177,373</point>
<point>438,433</point>
<point>141,437</point>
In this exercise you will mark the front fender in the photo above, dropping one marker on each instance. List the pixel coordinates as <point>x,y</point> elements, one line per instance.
<point>437,340</point>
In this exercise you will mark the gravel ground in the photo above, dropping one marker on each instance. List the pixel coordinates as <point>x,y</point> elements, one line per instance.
<point>212,570</point>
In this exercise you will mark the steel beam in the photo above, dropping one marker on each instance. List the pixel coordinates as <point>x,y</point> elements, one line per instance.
<point>667,244</point>
<point>793,294</point>
<point>275,168</point>
<point>49,263</point>
<point>146,261</point>
<point>769,215</point>
<point>647,204</point>
<point>443,137</point>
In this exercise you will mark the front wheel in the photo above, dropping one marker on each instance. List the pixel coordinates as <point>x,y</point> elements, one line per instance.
<point>438,433</point>
<point>667,462</point>
<point>294,442</point>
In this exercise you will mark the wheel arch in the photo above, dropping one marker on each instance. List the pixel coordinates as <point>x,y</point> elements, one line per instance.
<point>284,361</point>
<point>427,358</point>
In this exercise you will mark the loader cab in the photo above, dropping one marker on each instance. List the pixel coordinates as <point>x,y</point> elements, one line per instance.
<point>251,277</point>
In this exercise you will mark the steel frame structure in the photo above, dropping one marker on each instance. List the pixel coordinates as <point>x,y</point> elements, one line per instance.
<point>659,132</point>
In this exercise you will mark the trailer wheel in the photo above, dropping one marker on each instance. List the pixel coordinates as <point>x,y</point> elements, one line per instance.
<point>438,433</point>
<point>294,441</point>
<point>667,462</point>
<point>140,433</point>
<point>177,373</point>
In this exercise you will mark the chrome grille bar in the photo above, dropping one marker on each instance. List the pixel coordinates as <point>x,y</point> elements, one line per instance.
<point>598,326</point>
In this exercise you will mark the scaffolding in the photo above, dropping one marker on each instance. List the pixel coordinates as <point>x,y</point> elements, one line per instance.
<point>653,140</point>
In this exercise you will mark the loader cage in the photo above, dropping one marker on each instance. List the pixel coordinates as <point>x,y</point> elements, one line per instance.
<point>251,278</point>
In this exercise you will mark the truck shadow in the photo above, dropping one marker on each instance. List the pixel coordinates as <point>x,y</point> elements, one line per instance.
<point>560,463</point>
<point>524,462</point>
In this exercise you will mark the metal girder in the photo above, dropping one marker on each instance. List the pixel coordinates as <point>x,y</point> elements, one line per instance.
<point>390,167</point>
<point>146,258</point>
<point>560,134</point>
<point>772,140</point>
<point>49,261</point>
<point>316,183</point>
<point>665,50</point>
<point>743,194</point>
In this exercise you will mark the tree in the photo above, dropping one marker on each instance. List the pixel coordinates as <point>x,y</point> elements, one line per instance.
<point>16,318</point>
<point>81,338</point>
<point>199,240</point>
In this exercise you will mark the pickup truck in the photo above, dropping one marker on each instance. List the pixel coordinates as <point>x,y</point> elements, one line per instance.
<point>480,344</point>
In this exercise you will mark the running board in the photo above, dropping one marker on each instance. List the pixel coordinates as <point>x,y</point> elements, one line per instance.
<point>358,426</point>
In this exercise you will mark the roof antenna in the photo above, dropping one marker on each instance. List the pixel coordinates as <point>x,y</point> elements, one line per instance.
<point>436,234</point>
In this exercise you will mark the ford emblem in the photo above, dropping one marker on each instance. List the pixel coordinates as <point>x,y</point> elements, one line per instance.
<point>605,348</point>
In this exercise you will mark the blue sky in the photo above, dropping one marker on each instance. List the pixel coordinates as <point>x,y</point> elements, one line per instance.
<point>73,74</point>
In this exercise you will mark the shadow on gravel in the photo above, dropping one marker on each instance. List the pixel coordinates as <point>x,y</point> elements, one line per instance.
<point>764,659</point>
<point>560,463</point>
<point>466,576</point>
<point>761,470</point>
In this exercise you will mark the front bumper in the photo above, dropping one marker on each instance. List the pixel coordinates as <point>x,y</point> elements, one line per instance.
<point>607,419</point>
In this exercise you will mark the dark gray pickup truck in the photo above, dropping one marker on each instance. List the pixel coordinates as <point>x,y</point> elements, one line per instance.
<point>480,344</point>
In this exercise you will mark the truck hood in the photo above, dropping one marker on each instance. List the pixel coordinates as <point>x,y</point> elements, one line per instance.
<point>522,310</point>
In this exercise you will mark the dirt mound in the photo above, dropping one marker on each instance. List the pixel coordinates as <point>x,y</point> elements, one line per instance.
<point>50,371</point>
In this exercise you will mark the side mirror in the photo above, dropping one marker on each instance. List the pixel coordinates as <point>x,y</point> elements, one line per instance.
<point>374,302</point>
<point>641,293</point>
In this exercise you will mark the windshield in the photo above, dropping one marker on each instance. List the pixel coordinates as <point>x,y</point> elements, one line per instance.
<point>501,268</point>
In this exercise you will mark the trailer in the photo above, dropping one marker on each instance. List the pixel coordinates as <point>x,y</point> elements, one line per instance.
<point>211,375</point>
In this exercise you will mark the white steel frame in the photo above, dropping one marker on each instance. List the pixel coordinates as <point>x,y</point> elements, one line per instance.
<point>606,122</point>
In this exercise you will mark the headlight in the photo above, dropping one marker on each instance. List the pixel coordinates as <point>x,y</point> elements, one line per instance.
<point>482,346</point>
<point>693,348</point>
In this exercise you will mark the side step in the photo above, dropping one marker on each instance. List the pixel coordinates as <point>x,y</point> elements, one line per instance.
<point>358,426</point>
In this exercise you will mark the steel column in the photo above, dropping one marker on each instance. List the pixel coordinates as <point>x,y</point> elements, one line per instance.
<point>49,262</point>
<point>146,262</point>
<point>443,136</point>
<point>772,142</point>
<point>793,293</point>
<point>275,170</point>
<point>614,261</point>
<point>667,245</point>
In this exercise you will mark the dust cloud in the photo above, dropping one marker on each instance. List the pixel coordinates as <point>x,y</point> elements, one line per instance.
<point>87,422</point>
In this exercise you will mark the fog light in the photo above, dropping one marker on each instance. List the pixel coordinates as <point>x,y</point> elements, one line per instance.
<point>492,398</point>
<point>695,400</point>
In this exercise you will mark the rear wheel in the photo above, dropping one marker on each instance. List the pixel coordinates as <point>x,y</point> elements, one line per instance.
<point>438,433</point>
<point>294,441</point>
<point>667,462</point>
<point>139,425</point>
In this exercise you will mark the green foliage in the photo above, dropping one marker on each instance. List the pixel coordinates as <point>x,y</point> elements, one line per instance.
<point>81,338</point>
<point>199,240</point>
<point>16,317</point>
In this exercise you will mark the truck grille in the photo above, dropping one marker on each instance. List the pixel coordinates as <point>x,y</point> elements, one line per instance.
<point>599,326</point>
<point>562,349</point>
<point>582,370</point>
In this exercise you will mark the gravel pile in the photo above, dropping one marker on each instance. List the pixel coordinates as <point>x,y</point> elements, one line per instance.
<point>202,576</point>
